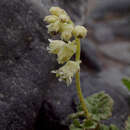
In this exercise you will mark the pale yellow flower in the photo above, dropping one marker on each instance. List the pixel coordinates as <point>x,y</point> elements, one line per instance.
<point>67,72</point>
<point>66,35</point>
<point>51,19</point>
<point>57,11</point>
<point>54,27</point>
<point>67,27</point>
<point>66,31</point>
<point>64,18</point>
<point>66,52</point>
<point>80,31</point>
<point>55,46</point>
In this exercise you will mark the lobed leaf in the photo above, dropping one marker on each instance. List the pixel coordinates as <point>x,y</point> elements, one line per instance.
<point>113,127</point>
<point>105,127</point>
<point>99,105</point>
<point>84,125</point>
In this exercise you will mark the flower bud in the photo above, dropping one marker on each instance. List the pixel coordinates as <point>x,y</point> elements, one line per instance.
<point>66,52</point>
<point>53,27</point>
<point>66,72</point>
<point>55,46</point>
<point>79,31</point>
<point>64,18</point>
<point>57,11</point>
<point>51,19</point>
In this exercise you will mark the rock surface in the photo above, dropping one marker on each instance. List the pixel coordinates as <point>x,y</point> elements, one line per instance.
<point>25,64</point>
<point>119,51</point>
<point>22,64</point>
<point>30,97</point>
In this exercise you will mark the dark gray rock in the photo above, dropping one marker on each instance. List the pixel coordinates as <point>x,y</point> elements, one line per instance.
<point>105,8</point>
<point>25,64</point>
<point>22,64</point>
<point>89,55</point>
<point>109,20</point>
<point>126,70</point>
<point>103,33</point>
<point>119,51</point>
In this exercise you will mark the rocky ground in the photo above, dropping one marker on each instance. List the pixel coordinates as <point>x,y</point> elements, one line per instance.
<point>30,97</point>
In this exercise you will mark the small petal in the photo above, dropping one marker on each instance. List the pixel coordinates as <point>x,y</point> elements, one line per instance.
<point>57,11</point>
<point>66,52</point>
<point>67,72</point>
<point>55,46</point>
<point>51,19</point>
<point>79,31</point>
<point>66,35</point>
<point>53,27</point>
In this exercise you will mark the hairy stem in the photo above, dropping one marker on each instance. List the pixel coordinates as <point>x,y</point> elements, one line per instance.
<point>79,91</point>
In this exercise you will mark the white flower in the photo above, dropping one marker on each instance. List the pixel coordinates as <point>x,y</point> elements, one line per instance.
<point>57,11</point>
<point>66,31</point>
<point>63,50</point>
<point>66,35</point>
<point>66,72</point>
<point>55,46</point>
<point>51,19</point>
<point>66,52</point>
<point>79,31</point>
<point>54,27</point>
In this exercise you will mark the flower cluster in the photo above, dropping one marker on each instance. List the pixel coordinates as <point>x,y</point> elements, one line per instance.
<point>60,22</point>
<point>64,51</point>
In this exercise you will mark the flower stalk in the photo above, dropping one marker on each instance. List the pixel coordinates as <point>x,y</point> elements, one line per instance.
<point>77,76</point>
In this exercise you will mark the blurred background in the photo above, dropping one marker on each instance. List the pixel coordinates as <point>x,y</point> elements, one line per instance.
<point>108,24</point>
<point>106,52</point>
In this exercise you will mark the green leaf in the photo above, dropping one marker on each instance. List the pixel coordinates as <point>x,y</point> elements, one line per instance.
<point>113,127</point>
<point>126,82</point>
<point>76,123</point>
<point>89,124</point>
<point>99,106</point>
<point>128,124</point>
<point>84,125</point>
<point>105,127</point>
<point>73,127</point>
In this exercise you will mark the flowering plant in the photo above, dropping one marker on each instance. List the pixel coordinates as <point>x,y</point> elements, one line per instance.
<point>96,107</point>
